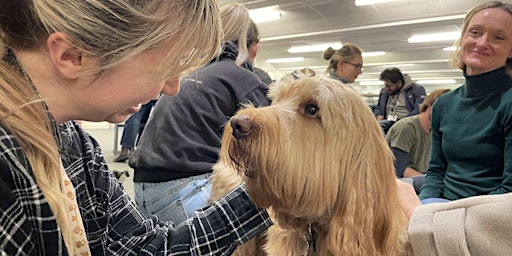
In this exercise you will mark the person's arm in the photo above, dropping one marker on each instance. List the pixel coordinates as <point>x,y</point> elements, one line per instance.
<point>219,229</point>
<point>433,185</point>
<point>506,184</point>
<point>473,226</point>
<point>401,161</point>
<point>116,226</point>
<point>419,97</point>
<point>379,109</point>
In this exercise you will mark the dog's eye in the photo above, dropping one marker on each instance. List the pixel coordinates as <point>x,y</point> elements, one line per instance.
<point>311,110</point>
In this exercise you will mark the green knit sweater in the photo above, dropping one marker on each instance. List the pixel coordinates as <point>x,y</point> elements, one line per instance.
<point>472,139</point>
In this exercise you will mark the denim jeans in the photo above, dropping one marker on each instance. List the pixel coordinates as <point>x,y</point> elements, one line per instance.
<point>135,124</point>
<point>174,200</point>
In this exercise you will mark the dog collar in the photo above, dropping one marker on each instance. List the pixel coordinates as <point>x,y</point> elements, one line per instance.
<point>311,236</point>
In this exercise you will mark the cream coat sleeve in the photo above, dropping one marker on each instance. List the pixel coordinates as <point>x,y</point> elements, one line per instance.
<point>473,226</point>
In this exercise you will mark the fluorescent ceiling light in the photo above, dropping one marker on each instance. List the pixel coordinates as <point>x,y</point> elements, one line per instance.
<point>284,60</point>
<point>437,81</point>
<point>447,36</point>
<point>368,2</point>
<point>314,48</point>
<point>400,65</point>
<point>372,54</point>
<point>371,83</point>
<point>265,14</point>
<point>449,49</point>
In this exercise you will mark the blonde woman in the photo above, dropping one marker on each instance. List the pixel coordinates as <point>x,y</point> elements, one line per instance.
<point>471,147</point>
<point>345,64</point>
<point>97,60</point>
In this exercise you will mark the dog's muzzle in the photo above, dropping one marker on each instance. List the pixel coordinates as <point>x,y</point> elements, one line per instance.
<point>241,125</point>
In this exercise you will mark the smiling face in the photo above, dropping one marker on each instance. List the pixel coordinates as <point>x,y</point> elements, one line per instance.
<point>487,41</point>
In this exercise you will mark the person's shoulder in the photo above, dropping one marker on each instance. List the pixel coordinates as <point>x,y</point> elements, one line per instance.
<point>405,122</point>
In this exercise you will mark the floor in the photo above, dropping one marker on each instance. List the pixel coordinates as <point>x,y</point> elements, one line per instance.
<point>105,135</point>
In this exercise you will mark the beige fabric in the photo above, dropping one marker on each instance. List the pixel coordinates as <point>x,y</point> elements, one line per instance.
<point>75,218</point>
<point>473,226</point>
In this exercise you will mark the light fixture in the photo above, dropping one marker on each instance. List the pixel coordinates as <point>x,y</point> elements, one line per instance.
<point>265,14</point>
<point>285,60</point>
<point>449,49</point>
<point>437,81</point>
<point>372,54</point>
<point>399,65</point>
<point>371,83</point>
<point>314,48</point>
<point>447,36</point>
<point>368,2</point>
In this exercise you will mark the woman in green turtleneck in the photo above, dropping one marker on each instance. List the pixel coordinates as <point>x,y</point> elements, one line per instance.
<point>472,125</point>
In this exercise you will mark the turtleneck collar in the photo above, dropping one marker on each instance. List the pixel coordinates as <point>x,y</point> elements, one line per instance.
<point>335,75</point>
<point>486,82</point>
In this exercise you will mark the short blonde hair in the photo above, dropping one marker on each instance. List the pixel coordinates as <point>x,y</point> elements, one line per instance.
<point>456,58</point>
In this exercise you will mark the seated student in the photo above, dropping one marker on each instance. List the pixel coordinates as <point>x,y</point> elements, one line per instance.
<point>409,139</point>
<point>399,98</point>
<point>472,125</point>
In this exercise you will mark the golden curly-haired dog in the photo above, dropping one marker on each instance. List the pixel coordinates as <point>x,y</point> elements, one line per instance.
<point>315,157</point>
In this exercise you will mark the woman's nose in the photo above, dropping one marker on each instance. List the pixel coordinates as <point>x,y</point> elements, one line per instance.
<point>171,86</point>
<point>483,41</point>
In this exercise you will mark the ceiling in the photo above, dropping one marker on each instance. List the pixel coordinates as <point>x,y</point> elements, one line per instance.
<point>378,27</point>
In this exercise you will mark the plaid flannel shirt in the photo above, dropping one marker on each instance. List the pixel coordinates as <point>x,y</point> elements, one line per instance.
<point>113,224</point>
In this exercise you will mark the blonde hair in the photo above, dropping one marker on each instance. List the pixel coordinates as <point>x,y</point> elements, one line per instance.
<point>345,53</point>
<point>111,31</point>
<point>455,57</point>
<point>236,23</point>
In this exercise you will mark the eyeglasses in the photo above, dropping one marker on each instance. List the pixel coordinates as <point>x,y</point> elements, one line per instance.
<point>358,67</point>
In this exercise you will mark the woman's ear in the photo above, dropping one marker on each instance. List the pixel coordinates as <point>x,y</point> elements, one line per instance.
<point>67,59</point>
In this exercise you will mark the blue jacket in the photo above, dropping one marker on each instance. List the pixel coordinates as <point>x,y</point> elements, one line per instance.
<point>414,94</point>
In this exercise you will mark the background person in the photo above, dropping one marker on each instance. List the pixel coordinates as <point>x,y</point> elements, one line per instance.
<point>478,225</point>
<point>472,126</point>
<point>253,45</point>
<point>399,98</point>
<point>58,195</point>
<point>410,140</point>
<point>181,142</point>
<point>345,64</point>
<point>132,129</point>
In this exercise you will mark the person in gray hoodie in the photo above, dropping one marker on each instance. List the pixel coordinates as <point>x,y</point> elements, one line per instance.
<point>400,97</point>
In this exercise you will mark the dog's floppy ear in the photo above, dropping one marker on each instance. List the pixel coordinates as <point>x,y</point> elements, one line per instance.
<point>367,218</point>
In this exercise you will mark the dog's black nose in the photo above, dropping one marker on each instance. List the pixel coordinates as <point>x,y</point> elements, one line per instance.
<point>241,125</point>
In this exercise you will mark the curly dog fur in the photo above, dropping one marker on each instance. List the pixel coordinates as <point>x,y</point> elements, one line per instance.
<point>317,159</point>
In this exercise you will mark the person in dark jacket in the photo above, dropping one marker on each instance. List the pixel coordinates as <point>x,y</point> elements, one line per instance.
<point>399,98</point>
<point>181,141</point>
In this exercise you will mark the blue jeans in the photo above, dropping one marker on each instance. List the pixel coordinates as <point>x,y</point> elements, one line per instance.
<point>135,124</point>
<point>434,200</point>
<point>174,200</point>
